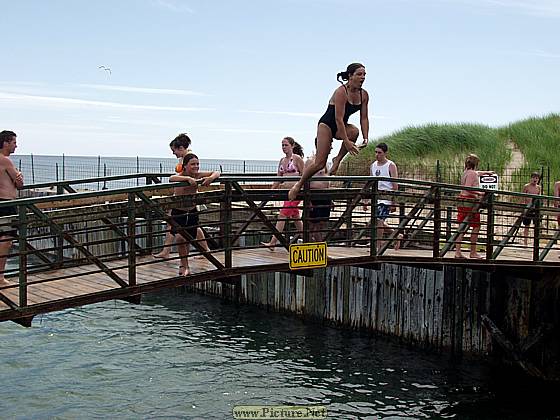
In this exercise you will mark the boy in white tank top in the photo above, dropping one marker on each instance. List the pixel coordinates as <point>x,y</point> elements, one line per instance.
<point>384,168</point>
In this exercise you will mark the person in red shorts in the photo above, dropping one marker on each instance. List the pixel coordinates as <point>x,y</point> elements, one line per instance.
<point>466,210</point>
<point>290,165</point>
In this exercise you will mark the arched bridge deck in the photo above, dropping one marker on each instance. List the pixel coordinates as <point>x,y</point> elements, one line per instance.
<point>75,248</point>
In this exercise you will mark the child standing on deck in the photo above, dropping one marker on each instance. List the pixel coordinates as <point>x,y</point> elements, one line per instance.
<point>532,187</point>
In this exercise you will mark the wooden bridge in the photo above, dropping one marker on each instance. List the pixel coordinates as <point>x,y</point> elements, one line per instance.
<point>75,248</point>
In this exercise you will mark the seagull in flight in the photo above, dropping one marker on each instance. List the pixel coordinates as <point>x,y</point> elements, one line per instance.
<point>105,68</point>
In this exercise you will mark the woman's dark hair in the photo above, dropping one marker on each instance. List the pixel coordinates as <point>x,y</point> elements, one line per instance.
<point>188,157</point>
<point>350,70</point>
<point>296,147</point>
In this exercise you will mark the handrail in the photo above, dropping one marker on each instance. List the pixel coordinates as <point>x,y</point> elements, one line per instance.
<point>111,237</point>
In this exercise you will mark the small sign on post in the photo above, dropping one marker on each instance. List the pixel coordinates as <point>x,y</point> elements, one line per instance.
<point>489,182</point>
<point>309,255</point>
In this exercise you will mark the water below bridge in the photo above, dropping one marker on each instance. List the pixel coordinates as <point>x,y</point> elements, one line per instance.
<point>189,356</point>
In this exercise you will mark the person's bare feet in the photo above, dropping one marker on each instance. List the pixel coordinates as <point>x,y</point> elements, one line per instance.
<point>163,254</point>
<point>476,256</point>
<point>294,191</point>
<point>184,271</point>
<point>4,282</point>
<point>398,242</point>
<point>459,255</point>
<point>268,245</point>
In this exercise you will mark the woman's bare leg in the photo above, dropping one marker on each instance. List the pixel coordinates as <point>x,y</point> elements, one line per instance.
<point>324,141</point>
<point>167,244</point>
<point>183,250</point>
<point>474,238</point>
<point>280,224</point>
<point>353,133</point>
<point>201,239</point>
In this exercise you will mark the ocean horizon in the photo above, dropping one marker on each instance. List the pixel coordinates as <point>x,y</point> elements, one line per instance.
<point>38,169</point>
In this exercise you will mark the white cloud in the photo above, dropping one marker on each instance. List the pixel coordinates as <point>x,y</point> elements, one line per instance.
<point>34,100</point>
<point>301,114</point>
<point>245,130</point>
<point>135,89</point>
<point>174,6</point>
<point>543,8</point>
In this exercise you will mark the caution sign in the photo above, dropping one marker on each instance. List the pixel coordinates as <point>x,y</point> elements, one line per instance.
<point>309,255</point>
<point>489,182</point>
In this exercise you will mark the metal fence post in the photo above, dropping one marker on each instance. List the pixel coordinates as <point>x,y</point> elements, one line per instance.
<point>32,169</point>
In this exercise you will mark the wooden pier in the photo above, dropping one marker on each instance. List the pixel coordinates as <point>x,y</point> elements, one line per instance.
<point>75,248</point>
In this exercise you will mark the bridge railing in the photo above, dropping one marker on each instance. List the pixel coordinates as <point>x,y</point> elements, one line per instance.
<point>113,232</point>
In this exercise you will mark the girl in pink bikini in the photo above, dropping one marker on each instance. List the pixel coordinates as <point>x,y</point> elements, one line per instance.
<point>290,165</point>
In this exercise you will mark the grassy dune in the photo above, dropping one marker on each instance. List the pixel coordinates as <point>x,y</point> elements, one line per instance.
<point>539,141</point>
<point>417,149</point>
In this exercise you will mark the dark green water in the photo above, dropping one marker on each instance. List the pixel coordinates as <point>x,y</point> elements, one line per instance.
<point>194,357</point>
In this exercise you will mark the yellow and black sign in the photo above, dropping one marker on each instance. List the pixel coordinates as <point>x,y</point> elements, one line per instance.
<point>310,255</point>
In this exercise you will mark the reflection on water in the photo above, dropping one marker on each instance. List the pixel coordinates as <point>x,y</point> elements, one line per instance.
<point>196,357</point>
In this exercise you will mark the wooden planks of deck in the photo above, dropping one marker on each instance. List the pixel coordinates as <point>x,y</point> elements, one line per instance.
<point>47,291</point>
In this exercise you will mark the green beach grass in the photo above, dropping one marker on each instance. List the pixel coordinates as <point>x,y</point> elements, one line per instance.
<point>418,151</point>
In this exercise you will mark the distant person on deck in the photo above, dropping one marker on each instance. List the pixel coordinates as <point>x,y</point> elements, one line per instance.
<point>532,187</point>
<point>180,146</point>
<point>382,167</point>
<point>188,217</point>
<point>345,101</point>
<point>320,211</point>
<point>290,165</point>
<point>557,204</point>
<point>466,209</point>
<point>10,181</point>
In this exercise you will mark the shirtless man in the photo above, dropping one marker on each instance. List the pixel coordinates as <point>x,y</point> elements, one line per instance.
<point>532,187</point>
<point>465,209</point>
<point>10,181</point>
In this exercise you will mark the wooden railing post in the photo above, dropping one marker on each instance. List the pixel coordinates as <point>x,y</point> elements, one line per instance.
<point>373,219</point>
<point>448,216</point>
<point>228,214</point>
<point>537,231</point>
<point>306,207</point>
<point>131,239</point>
<point>348,220</point>
<point>490,227</point>
<point>437,221</point>
<point>22,250</point>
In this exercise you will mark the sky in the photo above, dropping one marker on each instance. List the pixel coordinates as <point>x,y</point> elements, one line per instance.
<point>238,76</point>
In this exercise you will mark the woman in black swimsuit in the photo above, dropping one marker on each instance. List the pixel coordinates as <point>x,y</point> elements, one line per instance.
<point>345,101</point>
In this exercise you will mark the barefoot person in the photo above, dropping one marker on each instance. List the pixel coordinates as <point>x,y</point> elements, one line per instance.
<point>320,208</point>
<point>345,101</point>
<point>188,217</point>
<point>290,165</point>
<point>382,167</point>
<point>466,209</point>
<point>179,147</point>
<point>10,181</point>
<point>532,187</point>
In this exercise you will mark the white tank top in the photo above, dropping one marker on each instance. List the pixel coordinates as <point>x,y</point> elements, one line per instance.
<point>382,171</point>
